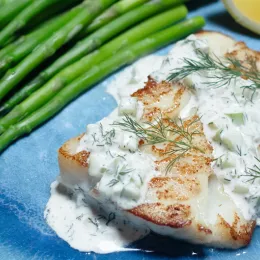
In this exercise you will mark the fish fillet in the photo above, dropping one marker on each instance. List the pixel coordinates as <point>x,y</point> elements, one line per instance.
<point>187,202</point>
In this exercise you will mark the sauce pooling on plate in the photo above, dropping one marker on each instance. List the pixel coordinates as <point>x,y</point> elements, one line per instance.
<point>72,213</point>
<point>85,225</point>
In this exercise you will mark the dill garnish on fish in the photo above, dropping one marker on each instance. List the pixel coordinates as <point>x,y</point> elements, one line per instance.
<point>222,71</point>
<point>119,172</point>
<point>159,131</point>
<point>253,173</point>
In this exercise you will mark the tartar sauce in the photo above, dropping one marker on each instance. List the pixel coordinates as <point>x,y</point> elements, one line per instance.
<point>231,122</point>
<point>120,171</point>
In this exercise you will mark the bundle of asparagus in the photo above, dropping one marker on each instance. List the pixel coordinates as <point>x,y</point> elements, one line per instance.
<point>100,37</point>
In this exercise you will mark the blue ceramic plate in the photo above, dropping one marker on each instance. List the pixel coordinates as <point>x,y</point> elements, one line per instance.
<point>28,167</point>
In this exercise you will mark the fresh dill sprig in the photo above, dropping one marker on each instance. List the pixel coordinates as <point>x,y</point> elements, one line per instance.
<point>222,71</point>
<point>94,138</point>
<point>78,188</point>
<point>154,135</point>
<point>113,182</point>
<point>109,152</point>
<point>119,172</point>
<point>239,150</point>
<point>141,179</point>
<point>80,217</point>
<point>121,156</point>
<point>235,97</point>
<point>70,228</point>
<point>253,173</point>
<point>111,216</point>
<point>159,131</point>
<point>94,222</point>
<point>234,174</point>
<point>107,135</point>
<point>108,219</point>
<point>125,171</point>
<point>227,179</point>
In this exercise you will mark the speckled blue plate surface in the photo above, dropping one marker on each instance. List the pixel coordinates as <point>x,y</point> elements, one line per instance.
<point>28,167</point>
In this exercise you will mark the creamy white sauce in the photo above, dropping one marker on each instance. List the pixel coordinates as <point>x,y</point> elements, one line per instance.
<point>238,147</point>
<point>133,77</point>
<point>121,169</point>
<point>115,152</point>
<point>71,206</point>
<point>83,223</point>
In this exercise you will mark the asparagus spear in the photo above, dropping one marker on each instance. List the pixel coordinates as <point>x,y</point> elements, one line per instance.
<point>89,10</point>
<point>106,33</point>
<point>55,10</point>
<point>10,10</point>
<point>23,18</point>
<point>87,45</point>
<point>11,56</point>
<point>15,52</point>
<point>46,92</point>
<point>114,11</point>
<point>96,74</point>
<point>10,48</point>
<point>4,2</point>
